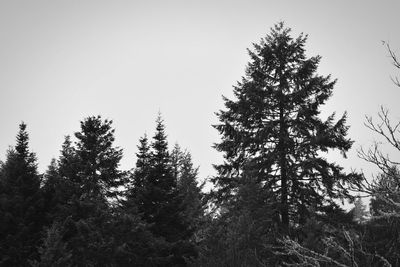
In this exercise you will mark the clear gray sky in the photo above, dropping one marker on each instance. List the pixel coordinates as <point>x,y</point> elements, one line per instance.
<point>61,61</point>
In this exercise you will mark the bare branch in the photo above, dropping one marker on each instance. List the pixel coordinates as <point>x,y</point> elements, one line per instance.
<point>395,62</point>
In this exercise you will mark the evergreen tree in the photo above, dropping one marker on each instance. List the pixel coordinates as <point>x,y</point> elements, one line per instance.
<point>160,205</point>
<point>141,171</point>
<point>51,185</point>
<point>382,230</point>
<point>190,190</point>
<point>62,184</point>
<point>84,228</point>
<point>158,199</point>
<point>98,158</point>
<point>21,205</point>
<point>69,162</point>
<point>272,131</point>
<point>54,252</point>
<point>176,161</point>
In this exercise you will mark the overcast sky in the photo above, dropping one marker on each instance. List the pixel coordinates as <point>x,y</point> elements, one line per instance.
<point>61,61</point>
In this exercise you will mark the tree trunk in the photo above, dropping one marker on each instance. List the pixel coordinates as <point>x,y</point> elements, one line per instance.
<point>282,163</point>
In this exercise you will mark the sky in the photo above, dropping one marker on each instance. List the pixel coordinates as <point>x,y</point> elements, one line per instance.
<point>61,61</point>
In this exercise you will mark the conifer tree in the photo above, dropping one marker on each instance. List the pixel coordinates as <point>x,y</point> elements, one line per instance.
<point>189,188</point>
<point>85,229</point>
<point>62,183</point>
<point>51,185</point>
<point>272,132</point>
<point>176,161</point>
<point>136,193</point>
<point>69,162</point>
<point>99,160</point>
<point>160,202</point>
<point>21,205</point>
<point>142,165</point>
<point>158,199</point>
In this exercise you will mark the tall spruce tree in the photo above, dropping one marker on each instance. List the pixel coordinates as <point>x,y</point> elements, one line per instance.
<point>272,133</point>
<point>21,205</point>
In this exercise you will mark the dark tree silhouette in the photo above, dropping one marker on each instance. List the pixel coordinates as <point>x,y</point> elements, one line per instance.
<point>272,132</point>
<point>21,204</point>
<point>156,195</point>
<point>99,159</point>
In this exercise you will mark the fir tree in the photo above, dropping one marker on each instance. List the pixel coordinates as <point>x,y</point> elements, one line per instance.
<point>21,205</point>
<point>193,198</point>
<point>62,183</point>
<point>83,184</point>
<point>272,131</point>
<point>69,162</point>
<point>136,194</point>
<point>142,168</point>
<point>158,199</point>
<point>98,158</point>
<point>176,161</point>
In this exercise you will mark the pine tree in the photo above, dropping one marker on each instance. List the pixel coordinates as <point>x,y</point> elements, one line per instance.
<point>193,198</point>
<point>272,132</point>
<point>158,199</point>
<point>83,186</point>
<point>21,205</point>
<point>176,161</point>
<point>160,187</point>
<point>136,193</point>
<point>69,162</point>
<point>189,189</point>
<point>62,184</point>
<point>98,158</point>
<point>142,167</point>
<point>51,185</point>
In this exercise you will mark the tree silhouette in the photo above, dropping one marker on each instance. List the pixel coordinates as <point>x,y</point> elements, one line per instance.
<point>21,204</point>
<point>272,132</point>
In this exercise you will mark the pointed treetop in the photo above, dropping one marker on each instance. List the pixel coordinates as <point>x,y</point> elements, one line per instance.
<point>22,141</point>
<point>143,155</point>
<point>160,143</point>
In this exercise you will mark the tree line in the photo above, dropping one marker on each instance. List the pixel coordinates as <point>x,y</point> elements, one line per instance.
<point>276,200</point>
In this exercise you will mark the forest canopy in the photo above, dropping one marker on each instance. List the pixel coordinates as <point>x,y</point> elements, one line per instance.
<point>275,199</point>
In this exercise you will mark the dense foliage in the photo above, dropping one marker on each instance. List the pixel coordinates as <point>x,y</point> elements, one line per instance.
<point>276,196</point>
